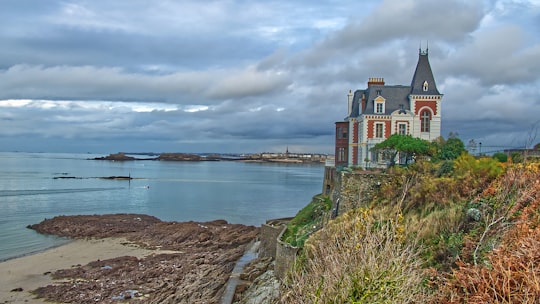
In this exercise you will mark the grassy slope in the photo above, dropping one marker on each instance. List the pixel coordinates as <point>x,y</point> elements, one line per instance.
<point>307,220</point>
<point>454,232</point>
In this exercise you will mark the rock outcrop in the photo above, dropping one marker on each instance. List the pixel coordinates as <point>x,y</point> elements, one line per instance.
<point>195,268</point>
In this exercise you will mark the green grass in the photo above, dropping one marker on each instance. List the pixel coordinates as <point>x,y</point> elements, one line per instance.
<point>307,220</point>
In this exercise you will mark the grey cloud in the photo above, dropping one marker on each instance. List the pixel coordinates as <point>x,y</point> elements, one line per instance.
<point>263,75</point>
<point>449,21</point>
<point>87,82</point>
<point>494,61</point>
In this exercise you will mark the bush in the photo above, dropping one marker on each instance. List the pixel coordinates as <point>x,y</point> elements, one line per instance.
<point>516,157</point>
<point>501,157</point>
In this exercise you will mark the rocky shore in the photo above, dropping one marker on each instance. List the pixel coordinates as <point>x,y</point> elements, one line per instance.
<point>191,264</point>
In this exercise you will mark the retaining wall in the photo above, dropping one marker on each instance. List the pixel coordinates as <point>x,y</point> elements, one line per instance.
<point>355,189</point>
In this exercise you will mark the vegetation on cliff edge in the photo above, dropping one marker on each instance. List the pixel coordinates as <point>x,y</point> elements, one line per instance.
<point>308,220</point>
<point>463,230</point>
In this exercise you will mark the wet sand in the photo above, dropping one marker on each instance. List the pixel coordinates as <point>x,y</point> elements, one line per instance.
<point>33,271</point>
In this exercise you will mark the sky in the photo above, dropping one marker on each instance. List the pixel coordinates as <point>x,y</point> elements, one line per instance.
<point>239,76</point>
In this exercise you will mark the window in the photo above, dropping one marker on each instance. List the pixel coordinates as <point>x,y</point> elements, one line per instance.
<point>402,129</point>
<point>425,88</point>
<point>379,107</point>
<point>378,130</point>
<point>341,155</point>
<point>342,132</point>
<point>425,119</point>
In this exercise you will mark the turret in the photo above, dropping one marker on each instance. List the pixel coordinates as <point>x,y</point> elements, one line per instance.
<point>423,82</point>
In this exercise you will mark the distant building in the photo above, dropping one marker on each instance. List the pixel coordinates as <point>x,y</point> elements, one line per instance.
<point>381,110</point>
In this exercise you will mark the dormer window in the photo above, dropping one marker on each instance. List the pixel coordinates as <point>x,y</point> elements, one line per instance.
<point>380,108</point>
<point>425,86</point>
<point>379,105</point>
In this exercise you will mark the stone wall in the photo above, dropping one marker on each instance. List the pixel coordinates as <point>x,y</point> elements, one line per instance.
<point>353,189</point>
<point>329,180</point>
<point>269,235</point>
<point>283,253</point>
<point>285,257</point>
<point>349,190</point>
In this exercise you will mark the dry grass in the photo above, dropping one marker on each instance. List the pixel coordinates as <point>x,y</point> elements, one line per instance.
<point>510,273</point>
<point>358,259</point>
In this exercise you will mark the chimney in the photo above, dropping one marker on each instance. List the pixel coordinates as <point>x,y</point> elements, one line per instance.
<point>350,99</point>
<point>375,81</point>
<point>363,102</point>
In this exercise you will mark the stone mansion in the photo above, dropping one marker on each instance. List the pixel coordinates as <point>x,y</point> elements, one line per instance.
<point>381,110</point>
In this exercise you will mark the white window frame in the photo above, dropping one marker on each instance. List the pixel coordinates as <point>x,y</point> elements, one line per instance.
<point>379,107</point>
<point>400,126</point>
<point>376,127</point>
<point>425,121</point>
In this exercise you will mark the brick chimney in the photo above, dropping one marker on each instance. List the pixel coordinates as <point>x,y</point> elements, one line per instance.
<point>375,81</point>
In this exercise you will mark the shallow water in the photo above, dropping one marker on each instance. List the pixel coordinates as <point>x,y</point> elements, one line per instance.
<point>246,193</point>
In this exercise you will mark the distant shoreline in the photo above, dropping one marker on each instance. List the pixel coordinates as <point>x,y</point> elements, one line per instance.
<point>260,158</point>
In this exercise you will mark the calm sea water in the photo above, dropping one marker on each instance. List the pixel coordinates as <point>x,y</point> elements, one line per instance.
<point>246,193</point>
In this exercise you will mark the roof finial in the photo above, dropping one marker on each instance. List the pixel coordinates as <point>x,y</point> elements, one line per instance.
<point>427,48</point>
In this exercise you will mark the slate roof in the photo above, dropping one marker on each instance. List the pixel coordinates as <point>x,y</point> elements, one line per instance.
<point>423,73</point>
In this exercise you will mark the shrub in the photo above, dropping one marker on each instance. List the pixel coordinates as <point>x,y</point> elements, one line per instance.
<point>501,157</point>
<point>508,271</point>
<point>516,157</point>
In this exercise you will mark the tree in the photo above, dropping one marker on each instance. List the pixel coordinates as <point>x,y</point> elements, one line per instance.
<point>407,146</point>
<point>449,149</point>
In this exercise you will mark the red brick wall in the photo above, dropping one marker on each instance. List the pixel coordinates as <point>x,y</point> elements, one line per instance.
<point>371,128</point>
<point>341,143</point>
<point>355,148</point>
<point>387,128</point>
<point>432,104</point>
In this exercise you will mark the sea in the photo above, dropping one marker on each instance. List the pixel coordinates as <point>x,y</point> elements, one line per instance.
<point>37,186</point>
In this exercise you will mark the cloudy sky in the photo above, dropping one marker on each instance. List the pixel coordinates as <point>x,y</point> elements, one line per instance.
<point>250,76</point>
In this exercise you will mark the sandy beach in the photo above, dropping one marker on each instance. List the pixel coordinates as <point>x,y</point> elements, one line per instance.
<point>33,271</point>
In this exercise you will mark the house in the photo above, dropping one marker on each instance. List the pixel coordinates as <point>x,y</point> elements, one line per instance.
<point>381,110</point>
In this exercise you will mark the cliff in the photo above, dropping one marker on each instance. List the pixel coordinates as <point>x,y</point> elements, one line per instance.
<point>464,230</point>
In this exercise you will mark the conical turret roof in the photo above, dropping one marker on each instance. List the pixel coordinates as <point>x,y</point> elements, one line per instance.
<point>423,82</point>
